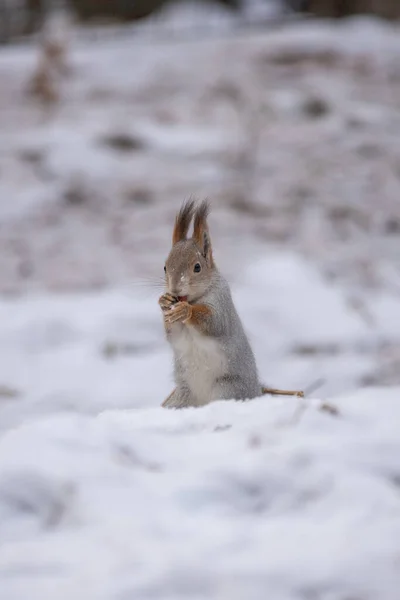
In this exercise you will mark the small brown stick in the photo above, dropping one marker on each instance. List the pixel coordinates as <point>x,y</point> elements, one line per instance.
<point>275,392</point>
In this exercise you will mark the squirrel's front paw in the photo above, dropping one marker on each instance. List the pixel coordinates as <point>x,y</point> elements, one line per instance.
<point>167,301</point>
<point>181,311</point>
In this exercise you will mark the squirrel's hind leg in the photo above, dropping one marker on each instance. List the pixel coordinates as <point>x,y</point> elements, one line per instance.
<point>233,387</point>
<point>179,398</point>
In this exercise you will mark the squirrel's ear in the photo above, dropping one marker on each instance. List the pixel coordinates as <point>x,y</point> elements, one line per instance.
<point>182,221</point>
<point>201,234</point>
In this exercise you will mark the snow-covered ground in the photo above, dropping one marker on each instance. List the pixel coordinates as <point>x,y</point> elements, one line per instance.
<point>294,134</point>
<point>236,500</point>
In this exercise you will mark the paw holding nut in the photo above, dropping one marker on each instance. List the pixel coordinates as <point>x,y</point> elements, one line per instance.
<point>174,310</point>
<point>167,301</point>
<point>180,312</point>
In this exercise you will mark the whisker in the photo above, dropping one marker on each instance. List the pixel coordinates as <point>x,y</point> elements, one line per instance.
<point>148,282</point>
<point>144,287</point>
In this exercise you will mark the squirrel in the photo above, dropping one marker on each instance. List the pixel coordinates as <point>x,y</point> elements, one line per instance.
<point>213,359</point>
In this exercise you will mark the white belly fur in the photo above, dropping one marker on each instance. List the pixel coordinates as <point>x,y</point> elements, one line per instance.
<point>201,361</point>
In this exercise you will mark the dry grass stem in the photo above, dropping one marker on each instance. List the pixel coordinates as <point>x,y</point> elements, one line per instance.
<point>275,392</point>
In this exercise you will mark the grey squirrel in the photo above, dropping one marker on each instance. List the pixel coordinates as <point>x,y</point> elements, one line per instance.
<point>213,359</point>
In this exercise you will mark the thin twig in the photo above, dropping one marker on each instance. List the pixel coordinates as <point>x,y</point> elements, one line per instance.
<point>299,393</point>
<point>275,392</point>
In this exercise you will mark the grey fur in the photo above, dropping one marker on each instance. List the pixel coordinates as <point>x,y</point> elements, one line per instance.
<point>216,364</point>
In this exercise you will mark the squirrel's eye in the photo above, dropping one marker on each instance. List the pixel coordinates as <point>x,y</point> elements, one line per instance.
<point>165,269</point>
<point>197,268</point>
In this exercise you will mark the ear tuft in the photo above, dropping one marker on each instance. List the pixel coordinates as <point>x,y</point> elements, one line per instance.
<point>202,212</point>
<point>201,234</point>
<point>183,220</point>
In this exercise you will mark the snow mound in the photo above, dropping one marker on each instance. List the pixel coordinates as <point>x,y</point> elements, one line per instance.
<point>226,501</point>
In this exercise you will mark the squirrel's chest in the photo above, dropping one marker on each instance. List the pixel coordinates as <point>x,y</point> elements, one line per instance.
<point>199,359</point>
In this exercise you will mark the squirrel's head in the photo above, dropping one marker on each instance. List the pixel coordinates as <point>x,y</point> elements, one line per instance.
<point>189,266</point>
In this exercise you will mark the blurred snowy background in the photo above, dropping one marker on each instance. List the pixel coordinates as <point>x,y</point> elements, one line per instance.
<point>290,124</point>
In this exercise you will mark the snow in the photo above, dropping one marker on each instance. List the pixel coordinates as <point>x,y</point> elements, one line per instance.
<point>226,501</point>
<point>103,494</point>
